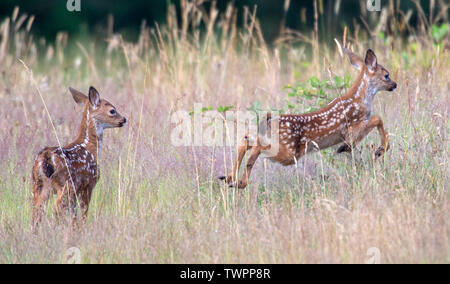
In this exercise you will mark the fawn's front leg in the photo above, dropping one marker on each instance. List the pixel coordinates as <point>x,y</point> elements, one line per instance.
<point>254,154</point>
<point>66,201</point>
<point>232,176</point>
<point>358,132</point>
<point>85,198</point>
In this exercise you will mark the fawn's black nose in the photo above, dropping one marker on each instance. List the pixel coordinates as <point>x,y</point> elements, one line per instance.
<point>394,86</point>
<point>123,122</point>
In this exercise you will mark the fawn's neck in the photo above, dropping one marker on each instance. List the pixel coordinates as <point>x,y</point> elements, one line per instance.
<point>89,136</point>
<point>362,91</point>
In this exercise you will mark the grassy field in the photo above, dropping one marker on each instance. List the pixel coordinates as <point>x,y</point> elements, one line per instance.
<point>156,203</point>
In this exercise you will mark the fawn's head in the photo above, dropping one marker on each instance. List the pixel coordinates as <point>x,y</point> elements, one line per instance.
<point>376,75</point>
<point>101,112</point>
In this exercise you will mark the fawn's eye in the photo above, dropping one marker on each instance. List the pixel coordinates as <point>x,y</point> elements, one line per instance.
<point>386,76</point>
<point>112,112</point>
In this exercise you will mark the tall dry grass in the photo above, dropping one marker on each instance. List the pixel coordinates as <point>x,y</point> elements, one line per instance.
<point>156,203</point>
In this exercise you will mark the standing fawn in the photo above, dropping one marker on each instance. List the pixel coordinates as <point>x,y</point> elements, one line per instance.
<point>72,172</point>
<point>347,119</point>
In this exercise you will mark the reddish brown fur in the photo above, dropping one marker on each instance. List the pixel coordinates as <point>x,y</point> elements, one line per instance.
<point>347,119</point>
<point>72,172</point>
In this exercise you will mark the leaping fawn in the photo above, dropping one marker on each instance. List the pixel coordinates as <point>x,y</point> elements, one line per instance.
<point>72,171</point>
<point>347,119</point>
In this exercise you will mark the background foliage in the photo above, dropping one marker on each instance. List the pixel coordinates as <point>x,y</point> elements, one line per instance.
<point>52,16</point>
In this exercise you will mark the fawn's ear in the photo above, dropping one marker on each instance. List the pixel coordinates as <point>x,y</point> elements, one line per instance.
<point>354,59</point>
<point>94,97</point>
<point>371,60</point>
<point>78,96</point>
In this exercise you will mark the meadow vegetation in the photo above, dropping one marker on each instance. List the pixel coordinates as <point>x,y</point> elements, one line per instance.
<point>156,203</point>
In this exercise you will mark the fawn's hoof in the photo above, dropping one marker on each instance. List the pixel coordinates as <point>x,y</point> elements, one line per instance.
<point>235,184</point>
<point>226,179</point>
<point>344,149</point>
<point>242,184</point>
<point>232,183</point>
<point>379,152</point>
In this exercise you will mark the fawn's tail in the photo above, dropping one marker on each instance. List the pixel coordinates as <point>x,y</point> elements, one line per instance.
<point>45,164</point>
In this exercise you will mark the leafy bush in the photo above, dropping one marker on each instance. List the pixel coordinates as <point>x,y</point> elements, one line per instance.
<point>314,93</point>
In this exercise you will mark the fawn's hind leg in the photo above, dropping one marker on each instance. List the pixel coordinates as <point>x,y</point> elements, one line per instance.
<point>41,194</point>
